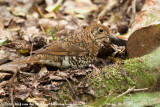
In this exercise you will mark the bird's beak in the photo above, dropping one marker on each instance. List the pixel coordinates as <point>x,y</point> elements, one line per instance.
<point>117,41</point>
<point>112,37</point>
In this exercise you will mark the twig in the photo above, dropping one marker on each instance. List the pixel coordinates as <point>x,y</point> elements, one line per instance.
<point>3,60</point>
<point>38,10</point>
<point>143,89</point>
<point>30,52</point>
<point>41,27</point>
<point>110,93</point>
<point>133,9</point>
<point>31,49</point>
<point>131,90</point>
<point>3,71</point>
<point>70,97</point>
<point>72,90</point>
<point>27,73</point>
<point>110,5</point>
<point>97,70</point>
<point>10,21</point>
<point>11,96</point>
<point>12,89</point>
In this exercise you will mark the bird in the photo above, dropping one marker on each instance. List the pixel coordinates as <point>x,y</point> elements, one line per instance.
<point>75,51</point>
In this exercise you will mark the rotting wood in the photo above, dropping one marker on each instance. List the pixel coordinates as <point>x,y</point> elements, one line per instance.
<point>145,30</point>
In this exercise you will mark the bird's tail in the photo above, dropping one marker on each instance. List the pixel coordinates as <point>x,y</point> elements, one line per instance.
<point>17,64</point>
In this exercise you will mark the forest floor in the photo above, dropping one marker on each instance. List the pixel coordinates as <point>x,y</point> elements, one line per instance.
<point>28,25</point>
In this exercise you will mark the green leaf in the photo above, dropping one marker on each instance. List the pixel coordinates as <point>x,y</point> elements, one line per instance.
<point>53,33</point>
<point>56,8</point>
<point>2,42</point>
<point>140,99</point>
<point>47,29</point>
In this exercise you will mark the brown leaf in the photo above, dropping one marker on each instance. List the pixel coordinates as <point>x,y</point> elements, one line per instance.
<point>40,102</point>
<point>22,92</point>
<point>46,23</point>
<point>4,56</point>
<point>42,72</point>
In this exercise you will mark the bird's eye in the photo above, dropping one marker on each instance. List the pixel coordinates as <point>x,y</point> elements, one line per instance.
<point>100,30</point>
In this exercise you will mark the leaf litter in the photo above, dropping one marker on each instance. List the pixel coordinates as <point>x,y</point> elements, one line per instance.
<point>28,25</point>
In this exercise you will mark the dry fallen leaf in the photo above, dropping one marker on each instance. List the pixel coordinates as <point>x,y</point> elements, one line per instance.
<point>40,102</point>
<point>4,34</point>
<point>79,8</point>
<point>4,56</point>
<point>21,10</point>
<point>21,91</point>
<point>42,72</point>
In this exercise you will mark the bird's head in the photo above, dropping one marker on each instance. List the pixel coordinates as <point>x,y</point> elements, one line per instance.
<point>99,32</point>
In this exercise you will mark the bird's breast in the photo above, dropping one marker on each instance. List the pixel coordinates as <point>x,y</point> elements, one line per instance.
<point>68,61</point>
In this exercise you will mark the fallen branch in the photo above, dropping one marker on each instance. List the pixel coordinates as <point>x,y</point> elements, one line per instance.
<point>131,90</point>
<point>12,89</point>
<point>145,30</point>
<point>108,7</point>
<point>72,90</point>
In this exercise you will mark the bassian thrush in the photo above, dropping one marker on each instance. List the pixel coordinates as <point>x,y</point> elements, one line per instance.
<point>75,51</point>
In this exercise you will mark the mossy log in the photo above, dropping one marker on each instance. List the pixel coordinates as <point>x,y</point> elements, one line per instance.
<point>142,72</point>
<point>145,30</point>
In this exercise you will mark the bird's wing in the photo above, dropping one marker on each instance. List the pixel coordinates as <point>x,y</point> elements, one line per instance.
<point>63,48</point>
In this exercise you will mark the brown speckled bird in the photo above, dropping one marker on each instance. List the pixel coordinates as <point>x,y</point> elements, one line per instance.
<point>75,51</point>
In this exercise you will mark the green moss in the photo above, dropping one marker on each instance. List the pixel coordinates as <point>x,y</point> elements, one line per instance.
<point>99,102</point>
<point>140,72</point>
<point>130,81</point>
<point>106,81</point>
<point>64,94</point>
